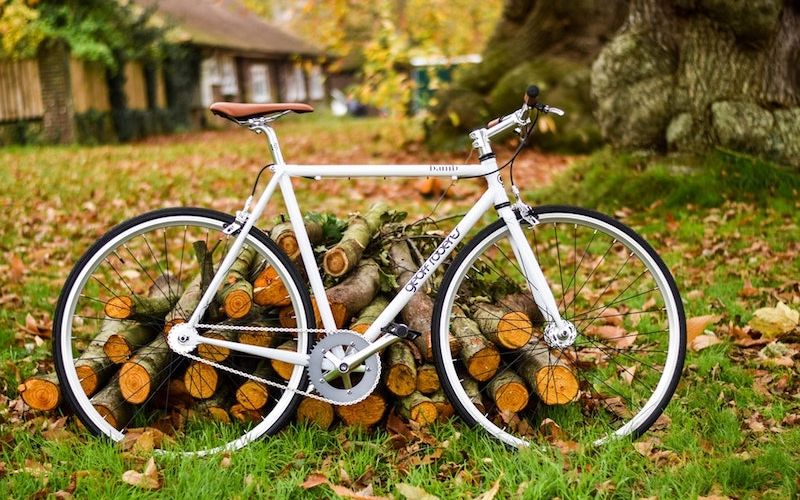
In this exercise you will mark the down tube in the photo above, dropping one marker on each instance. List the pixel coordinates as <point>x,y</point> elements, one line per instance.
<point>430,265</point>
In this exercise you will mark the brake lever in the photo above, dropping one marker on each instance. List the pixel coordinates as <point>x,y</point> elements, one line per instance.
<point>546,108</point>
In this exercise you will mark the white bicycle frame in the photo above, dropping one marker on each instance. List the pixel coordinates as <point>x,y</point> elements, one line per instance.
<point>494,196</point>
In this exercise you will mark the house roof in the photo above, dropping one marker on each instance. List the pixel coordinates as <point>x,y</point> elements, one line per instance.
<point>228,24</point>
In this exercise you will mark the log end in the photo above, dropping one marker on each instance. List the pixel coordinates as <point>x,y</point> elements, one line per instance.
<point>107,414</point>
<point>316,412</point>
<point>365,413</point>
<point>252,395</point>
<point>201,380</point>
<point>40,394</point>
<point>134,383</point>
<point>237,304</point>
<point>117,349</point>
<point>556,385</point>
<point>119,308</point>
<point>287,241</point>
<point>514,330</point>
<point>427,380</point>
<point>218,414</point>
<point>360,328</point>
<point>483,364</point>
<point>244,415</point>
<point>335,263</point>
<point>88,379</point>
<point>401,380</point>
<point>511,397</point>
<point>212,352</point>
<point>424,413</point>
<point>269,290</point>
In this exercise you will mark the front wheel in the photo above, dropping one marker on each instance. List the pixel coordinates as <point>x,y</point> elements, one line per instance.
<point>505,368</point>
<point>139,280</point>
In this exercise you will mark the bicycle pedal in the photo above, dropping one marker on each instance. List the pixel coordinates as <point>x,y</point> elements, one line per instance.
<point>400,330</point>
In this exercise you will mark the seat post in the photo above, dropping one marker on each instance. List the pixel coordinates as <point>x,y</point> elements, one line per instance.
<point>272,141</point>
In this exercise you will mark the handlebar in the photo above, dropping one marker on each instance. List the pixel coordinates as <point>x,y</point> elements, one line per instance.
<point>519,117</point>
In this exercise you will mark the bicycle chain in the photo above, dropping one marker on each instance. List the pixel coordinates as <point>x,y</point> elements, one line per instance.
<point>270,382</point>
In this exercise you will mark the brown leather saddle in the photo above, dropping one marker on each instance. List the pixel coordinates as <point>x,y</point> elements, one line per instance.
<point>240,111</point>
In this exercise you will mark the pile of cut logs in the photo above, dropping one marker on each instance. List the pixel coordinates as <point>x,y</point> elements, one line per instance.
<point>486,334</point>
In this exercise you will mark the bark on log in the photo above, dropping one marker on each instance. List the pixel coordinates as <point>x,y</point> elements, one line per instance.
<point>282,368</point>
<point>418,408</point>
<point>365,413</point>
<point>553,380</point>
<point>508,392</point>
<point>400,375</point>
<point>216,407</point>
<point>269,289</point>
<point>143,373</point>
<point>283,235</point>
<point>427,379</point>
<point>185,306</point>
<point>244,415</point>
<point>137,307</point>
<point>121,344</point>
<point>110,404</point>
<point>316,412</point>
<point>94,367</point>
<point>418,313</point>
<point>41,392</point>
<point>201,380</point>
<point>474,392</point>
<point>524,302</point>
<point>172,394</point>
<point>236,293</point>
<point>287,317</point>
<point>480,356</point>
<point>443,406</point>
<point>253,395</point>
<point>508,328</point>
<point>357,290</point>
<point>340,259</point>
<point>369,314</point>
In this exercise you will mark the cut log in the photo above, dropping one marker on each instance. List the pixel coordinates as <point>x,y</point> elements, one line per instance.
<point>260,338</point>
<point>93,366</point>
<point>400,374</point>
<point>253,395</point>
<point>269,289</point>
<point>364,413</point>
<point>418,313</point>
<point>173,394</point>
<point>480,356</point>
<point>287,318</point>
<point>121,344</point>
<point>283,235</point>
<point>344,256</point>
<point>427,379</point>
<point>201,380</point>
<point>443,406</point>
<point>504,327</point>
<point>245,415</point>
<point>316,412</point>
<point>369,314</point>
<point>236,293</point>
<point>41,392</point>
<point>357,290</point>
<point>553,380</point>
<point>138,307</point>
<point>110,404</point>
<point>215,407</point>
<point>140,376</point>
<point>282,368</point>
<point>524,302</point>
<point>474,392</point>
<point>185,306</point>
<point>418,408</point>
<point>508,392</point>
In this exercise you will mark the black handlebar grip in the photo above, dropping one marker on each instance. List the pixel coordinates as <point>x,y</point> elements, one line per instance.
<point>531,94</point>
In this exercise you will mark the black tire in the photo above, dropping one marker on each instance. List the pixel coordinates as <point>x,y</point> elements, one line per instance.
<point>69,392</point>
<point>439,341</point>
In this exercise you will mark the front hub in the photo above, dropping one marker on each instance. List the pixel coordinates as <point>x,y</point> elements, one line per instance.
<point>561,335</point>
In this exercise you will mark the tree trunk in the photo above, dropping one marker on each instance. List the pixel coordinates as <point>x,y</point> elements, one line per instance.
<point>269,289</point>
<point>316,412</point>
<point>94,367</point>
<point>41,392</point>
<point>121,344</point>
<point>282,368</point>
<point>216,407</point>
<point>652,82</point>
<point>443,406</point>
<point>185,306</point>
<point>480,356</point>
<point>356,291</point>
<point>343,257</point>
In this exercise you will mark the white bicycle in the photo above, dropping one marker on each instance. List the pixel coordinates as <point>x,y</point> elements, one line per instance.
<point>601,353</point>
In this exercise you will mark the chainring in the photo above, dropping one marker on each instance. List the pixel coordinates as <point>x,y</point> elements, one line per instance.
<point>349,388</point>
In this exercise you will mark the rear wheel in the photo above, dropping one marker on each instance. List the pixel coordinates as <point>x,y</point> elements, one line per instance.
<point>505,368</point>
<point>140,279</point>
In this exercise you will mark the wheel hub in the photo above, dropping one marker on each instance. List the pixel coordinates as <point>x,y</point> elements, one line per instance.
<point>337,381</point>
<point>560,336</point>
<point>182,338</point>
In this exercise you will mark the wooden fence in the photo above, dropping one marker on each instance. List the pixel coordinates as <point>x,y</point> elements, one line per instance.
<point>89,87</point>
<point>20,90</point>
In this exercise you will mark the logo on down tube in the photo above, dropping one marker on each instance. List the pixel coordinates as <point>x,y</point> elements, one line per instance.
<point>433,260</point>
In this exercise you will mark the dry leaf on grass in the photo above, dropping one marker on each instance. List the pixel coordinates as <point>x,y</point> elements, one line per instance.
<point>313,480</point>
<point>775,321</point>
<point>697,325</point>
<point>411,492</point>
<point>491,492</point>
<point>148,479</point>
<point>702,341</point>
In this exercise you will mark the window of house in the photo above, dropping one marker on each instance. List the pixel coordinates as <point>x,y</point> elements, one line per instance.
<point>295,84</point>
<point>259,83</point>
<point>230,87</point>
<point>316,84</point>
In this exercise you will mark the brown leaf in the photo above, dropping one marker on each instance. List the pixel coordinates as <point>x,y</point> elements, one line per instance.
<point>748,290</point>
<point>365,494</point>
<point>225,463</point>
<point>148,479</point>
<point>697,325</point>
<point>17,268</point>
<point>775,321</point>
<point>313,480</point>
<point>491,492</point>
<point>702,341</point>
<point>411,492</point>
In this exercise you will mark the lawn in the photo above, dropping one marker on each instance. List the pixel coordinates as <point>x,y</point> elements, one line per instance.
<point>727,225</point>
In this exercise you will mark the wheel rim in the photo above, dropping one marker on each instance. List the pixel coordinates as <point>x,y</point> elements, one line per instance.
<point>195,434</point>
<point>599,330</point>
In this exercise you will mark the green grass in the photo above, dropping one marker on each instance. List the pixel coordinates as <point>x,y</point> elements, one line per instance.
<point>720,221</point>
